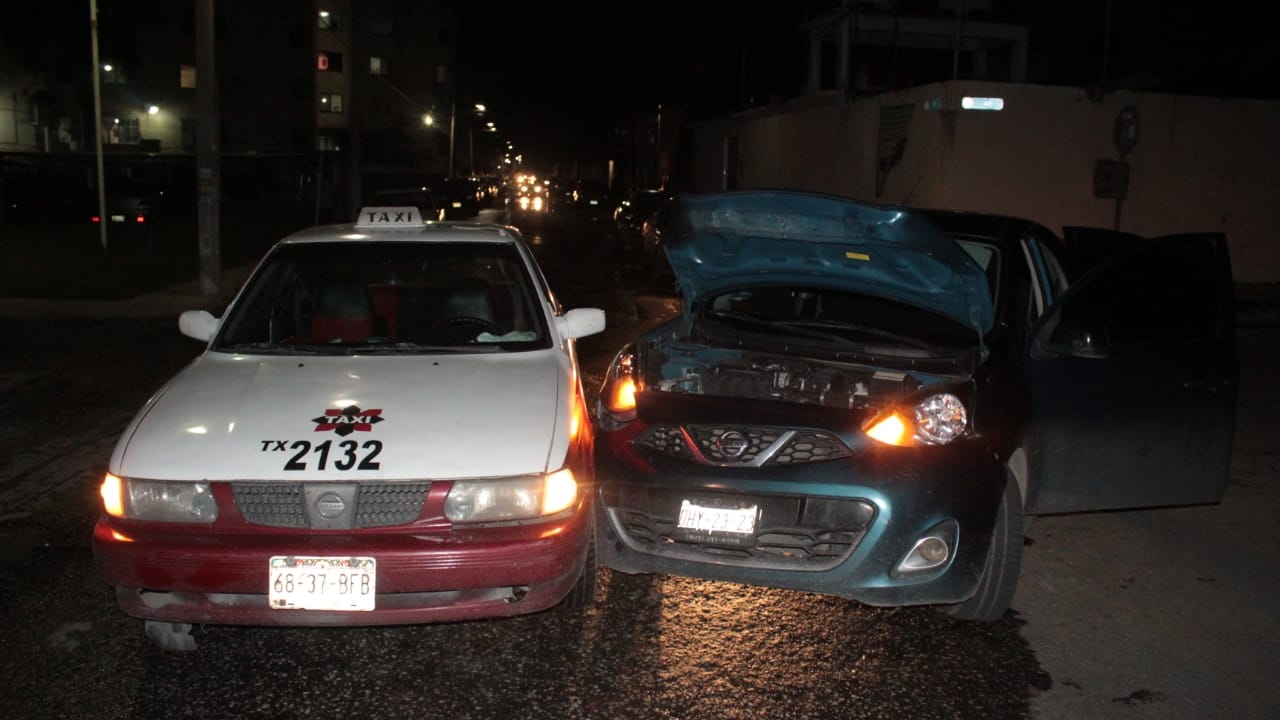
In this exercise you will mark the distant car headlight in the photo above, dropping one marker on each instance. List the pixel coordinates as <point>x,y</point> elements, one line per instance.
<point>936,420</point>
<point>158,500</point>
<point>511,499</point>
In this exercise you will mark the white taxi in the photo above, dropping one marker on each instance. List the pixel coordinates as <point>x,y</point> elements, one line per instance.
<point>387,426</point>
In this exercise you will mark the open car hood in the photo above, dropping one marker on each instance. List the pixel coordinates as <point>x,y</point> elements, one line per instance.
<point>723,241</point>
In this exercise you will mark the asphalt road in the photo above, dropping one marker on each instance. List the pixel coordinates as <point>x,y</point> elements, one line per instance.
<point>1147,614</point>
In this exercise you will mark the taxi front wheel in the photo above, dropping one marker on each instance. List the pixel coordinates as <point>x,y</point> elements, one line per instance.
<point>1004,562</point>
<point>583,594</point>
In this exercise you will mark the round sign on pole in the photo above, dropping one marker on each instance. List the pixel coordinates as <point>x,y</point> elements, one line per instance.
<point>1128,123</point>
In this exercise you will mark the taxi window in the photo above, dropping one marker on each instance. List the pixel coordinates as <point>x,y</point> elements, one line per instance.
<point>362,296</point>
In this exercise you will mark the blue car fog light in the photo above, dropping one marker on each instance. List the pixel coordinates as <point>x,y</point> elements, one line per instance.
<point>933,549</point>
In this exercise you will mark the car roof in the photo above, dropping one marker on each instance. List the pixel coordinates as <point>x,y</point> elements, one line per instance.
<point>403,224</point>
<point>965,222</point>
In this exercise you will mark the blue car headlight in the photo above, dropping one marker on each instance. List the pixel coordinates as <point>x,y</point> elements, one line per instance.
<point>937,419</point>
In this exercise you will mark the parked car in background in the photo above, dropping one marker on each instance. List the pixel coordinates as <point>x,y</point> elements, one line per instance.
<point>328,459</point>
<point>869,401</point>
<point>590,199</point>
<point>629,217</point>
<point>461,198</point>
<point>127,203</point>
<point>420,197</point>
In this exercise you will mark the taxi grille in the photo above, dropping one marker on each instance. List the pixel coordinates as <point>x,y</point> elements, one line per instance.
<point>284,504</point>
<point>792,533</point>
<point>743,445</point>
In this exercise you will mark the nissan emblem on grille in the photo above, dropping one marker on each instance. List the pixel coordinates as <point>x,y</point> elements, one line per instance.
<point>330,505</point>
<point>731,444</point>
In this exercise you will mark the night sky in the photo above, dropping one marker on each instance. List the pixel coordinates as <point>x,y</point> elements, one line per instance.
<point>562,76</point>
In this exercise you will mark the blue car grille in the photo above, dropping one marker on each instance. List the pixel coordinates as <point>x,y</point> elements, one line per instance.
<point>743,446</point>
<point>793,533</point>
<point>284,504</point>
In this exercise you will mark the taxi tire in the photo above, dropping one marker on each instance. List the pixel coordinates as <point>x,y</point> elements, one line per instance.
<point>583,594</point>
<point>1004,562</point>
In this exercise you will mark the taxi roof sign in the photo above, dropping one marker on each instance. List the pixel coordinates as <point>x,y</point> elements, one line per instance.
<point>384,218</point>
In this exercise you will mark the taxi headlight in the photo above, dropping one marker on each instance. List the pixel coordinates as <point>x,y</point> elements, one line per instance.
<point>158,500</point>
<point>508,499</point>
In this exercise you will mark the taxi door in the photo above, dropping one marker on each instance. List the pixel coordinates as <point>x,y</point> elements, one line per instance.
<point>1132,378</point>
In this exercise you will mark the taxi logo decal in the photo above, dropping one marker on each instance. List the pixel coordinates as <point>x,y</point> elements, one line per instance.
<point>347,420</point>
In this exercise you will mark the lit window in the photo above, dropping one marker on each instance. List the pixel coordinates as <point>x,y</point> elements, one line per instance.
<point>330,102</point>
<point>376,67</point>
<point>328,20</point>
<point>124,131</point>
<point>187,77</point>
<point>329,62</point>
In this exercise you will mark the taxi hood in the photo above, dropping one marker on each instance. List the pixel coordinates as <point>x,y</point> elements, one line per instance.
<point>722,241</point>
<point>243,417</point>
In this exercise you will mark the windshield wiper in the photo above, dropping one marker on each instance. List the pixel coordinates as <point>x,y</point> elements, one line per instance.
<point>790,327</point>
<point>862,329</point>
<point>391,348</point>
<point>273,348</point>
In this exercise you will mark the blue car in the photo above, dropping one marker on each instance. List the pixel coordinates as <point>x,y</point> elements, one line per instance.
<point>870,402</point>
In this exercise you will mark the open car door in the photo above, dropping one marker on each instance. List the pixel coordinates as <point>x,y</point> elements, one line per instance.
<point>1133,380</point>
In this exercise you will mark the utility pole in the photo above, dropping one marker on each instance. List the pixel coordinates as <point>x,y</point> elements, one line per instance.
<point>453,111</point>
<point>355,108</point>
<point>97,123</point>
<point>208,179</point>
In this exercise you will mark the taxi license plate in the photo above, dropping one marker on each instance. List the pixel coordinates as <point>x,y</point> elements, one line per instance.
<point>738,521</point>
<point>117,218</point>
<point>321,583</point>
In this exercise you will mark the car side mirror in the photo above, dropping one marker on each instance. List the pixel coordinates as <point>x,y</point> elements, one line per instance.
<point>198,324</point>
<point>1079,338</point>
<point>580,322</point>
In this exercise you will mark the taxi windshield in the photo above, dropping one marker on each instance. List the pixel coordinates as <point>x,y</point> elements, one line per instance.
<point>365,298</point>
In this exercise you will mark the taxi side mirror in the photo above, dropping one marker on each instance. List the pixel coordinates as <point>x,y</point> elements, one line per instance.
<point>198,324</point>
<point>580,322</point>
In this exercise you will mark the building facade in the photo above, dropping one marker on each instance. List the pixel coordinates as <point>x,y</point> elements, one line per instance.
<point>315,83</point>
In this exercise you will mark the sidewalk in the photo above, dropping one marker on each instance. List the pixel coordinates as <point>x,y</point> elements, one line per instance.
<point>169,302</point>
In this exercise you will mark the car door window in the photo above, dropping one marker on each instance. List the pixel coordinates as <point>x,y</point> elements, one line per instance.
<point>1156,296</point>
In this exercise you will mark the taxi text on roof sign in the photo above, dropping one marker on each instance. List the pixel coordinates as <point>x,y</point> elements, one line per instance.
<point>388,217</point>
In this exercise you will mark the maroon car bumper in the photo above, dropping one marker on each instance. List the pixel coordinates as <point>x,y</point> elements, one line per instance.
<point>163,573</point>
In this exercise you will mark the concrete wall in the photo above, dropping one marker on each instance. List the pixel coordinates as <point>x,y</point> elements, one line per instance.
<point>1200,164</point>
